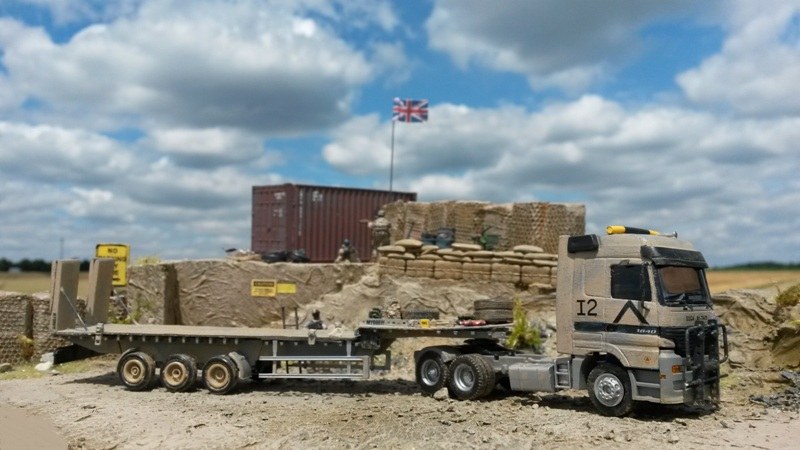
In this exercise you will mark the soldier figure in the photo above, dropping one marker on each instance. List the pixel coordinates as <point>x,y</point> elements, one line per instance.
<point>347,253</point>
<point>380,232</point>
<point>316,322</point>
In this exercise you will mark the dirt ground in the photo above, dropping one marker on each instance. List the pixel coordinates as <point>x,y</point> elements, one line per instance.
<point>92,410</point>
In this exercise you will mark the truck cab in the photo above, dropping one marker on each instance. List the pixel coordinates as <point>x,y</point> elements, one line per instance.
<point>635,313</point>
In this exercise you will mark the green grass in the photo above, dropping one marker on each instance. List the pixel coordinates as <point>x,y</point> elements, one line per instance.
<point>27,371</point>
<point>34,282</point>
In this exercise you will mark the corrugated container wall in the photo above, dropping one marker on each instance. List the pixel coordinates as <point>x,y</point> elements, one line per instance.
<point>316,218</point>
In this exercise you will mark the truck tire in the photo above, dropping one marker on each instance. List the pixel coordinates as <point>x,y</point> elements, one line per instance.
<point>432,373</point>
<point>491,378</point>
<point>220,374</point>
<point>416,314</point>
<point>468,377</point>
<point>609,389</point>
<point>493,303</point>
<point>495,315</point>
<point>179,373</point>
<point>136,370</point>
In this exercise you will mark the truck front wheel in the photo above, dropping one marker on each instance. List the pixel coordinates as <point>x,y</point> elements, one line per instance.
<point>610,390</point>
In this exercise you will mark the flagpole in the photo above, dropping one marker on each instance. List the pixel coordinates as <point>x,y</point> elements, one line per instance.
<point>391,160</point>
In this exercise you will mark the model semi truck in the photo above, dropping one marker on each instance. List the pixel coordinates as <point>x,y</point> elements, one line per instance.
<point>634,316</point>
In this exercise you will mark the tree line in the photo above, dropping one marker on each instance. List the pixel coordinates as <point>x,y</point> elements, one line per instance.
<point>32,265</point>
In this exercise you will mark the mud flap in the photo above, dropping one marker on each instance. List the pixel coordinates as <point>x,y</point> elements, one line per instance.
<point>245,372</point>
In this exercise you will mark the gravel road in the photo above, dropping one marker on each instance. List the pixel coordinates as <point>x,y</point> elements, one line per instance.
<point>92,410</point>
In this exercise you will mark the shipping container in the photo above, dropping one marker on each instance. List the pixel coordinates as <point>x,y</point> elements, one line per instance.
<point>316,218</point>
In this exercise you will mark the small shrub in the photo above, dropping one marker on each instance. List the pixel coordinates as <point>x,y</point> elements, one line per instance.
<point>26,346</point>
<point>523,334</point>
<point>789,297</point>
<point>148,260</point>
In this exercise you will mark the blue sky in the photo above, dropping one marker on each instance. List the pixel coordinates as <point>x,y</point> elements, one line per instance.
<point>148,122</point>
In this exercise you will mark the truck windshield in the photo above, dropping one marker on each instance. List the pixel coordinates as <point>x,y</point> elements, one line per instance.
<point>683,286</point>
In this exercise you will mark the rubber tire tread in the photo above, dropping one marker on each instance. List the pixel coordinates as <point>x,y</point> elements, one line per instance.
<point>476,364</point>
<point>443,368</point>
<point>416,314</point>
<point>491,378</point>
<point>232,368</point>
<point>495,315</point>
<point>150,371</point>
<point>493,303</point>
<point>626,405</point>
<point>191,365</point>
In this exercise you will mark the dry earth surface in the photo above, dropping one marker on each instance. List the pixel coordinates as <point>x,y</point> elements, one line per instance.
<point>91,410</point>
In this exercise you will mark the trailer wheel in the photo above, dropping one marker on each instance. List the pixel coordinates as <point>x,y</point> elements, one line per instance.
<point>610,390</point>
<point>432,373</point>
<point>136,370</point>
<point>220,374</point>
<point>179,373</point>
<point>469,377</point>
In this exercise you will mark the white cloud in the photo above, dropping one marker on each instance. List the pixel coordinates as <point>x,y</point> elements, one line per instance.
<point>53,155</point>
<point>208,147</point>
<point>197,64</point>
<point>553,43</point>
<point>759,64</point>
<point>657,166</point>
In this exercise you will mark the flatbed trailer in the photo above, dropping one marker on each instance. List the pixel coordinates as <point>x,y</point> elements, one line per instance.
<point>223,356</point>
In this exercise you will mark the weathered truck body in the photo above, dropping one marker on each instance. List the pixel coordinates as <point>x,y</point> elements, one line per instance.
<point>634,321</point>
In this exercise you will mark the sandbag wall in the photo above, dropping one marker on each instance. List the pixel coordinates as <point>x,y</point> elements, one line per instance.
<point>524,266</point>
<point>536,223</point>
<point>25,327</point>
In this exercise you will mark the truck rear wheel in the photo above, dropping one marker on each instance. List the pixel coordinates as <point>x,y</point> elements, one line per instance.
<point>179,373</point>
<point>136,370</point>
<point>220,374</point>
<point>610,390</point>
<point>432,373</point>
<point>469,377</point>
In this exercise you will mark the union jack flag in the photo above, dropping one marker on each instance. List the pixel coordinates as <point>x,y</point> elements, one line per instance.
<point>410,111</point>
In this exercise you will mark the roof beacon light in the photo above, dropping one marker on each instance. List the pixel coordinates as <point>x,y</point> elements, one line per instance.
<point>621,229</point>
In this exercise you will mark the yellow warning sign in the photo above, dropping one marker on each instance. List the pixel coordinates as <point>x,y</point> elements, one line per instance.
<point>287,288</point>
<point>263,288</point>
<point>120,254</point>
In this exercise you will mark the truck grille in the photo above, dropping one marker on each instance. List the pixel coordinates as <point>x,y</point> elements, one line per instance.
<point>678,336</point>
